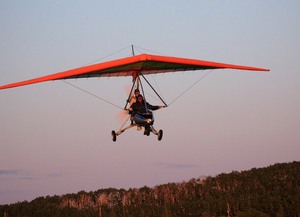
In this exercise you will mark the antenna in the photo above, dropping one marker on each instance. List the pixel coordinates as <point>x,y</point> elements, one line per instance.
<point>132,49</point>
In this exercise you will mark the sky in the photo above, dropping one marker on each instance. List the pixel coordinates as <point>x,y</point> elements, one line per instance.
<point>55,138</point>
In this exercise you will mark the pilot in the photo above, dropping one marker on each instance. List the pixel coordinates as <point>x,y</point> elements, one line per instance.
<point>140,107</point>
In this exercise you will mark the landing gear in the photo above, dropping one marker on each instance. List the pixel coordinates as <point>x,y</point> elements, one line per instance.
<point>114,135</point>
<point>148,130</point>
<point>145,121</point>
<point>158,133</point>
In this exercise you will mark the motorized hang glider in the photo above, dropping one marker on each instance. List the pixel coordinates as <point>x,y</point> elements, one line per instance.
<point>136,66</point>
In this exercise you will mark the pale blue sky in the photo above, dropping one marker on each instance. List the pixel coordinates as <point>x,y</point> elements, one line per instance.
<point>56,139</point>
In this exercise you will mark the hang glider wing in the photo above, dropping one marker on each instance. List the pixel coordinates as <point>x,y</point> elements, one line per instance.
<point>143,63</point>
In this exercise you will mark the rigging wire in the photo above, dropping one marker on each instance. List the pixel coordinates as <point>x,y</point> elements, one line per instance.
<point>157,87</point>
<point>94,95</point>
<point>184,92</point>
<point>85,91</point>
<point>151,51</point>
<point>104,57</point>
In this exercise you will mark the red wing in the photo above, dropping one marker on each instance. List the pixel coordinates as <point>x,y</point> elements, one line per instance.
<point>144,63</point>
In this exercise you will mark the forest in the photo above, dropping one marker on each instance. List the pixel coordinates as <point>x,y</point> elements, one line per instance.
<point>273,191</point>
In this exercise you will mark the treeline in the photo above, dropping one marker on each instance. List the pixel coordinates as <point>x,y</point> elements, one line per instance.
<point>273,191</point>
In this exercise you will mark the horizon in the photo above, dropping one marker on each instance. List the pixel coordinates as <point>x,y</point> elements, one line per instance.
<point>201,178</point>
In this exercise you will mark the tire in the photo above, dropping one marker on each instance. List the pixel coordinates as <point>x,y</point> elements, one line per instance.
<point>160,135</point>
<point>114,136</point>
<point>147,130</point>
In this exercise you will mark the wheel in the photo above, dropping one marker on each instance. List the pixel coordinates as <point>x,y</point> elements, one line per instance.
<point>147,130</point>
<point>114,135</point>
<point>160,135</point>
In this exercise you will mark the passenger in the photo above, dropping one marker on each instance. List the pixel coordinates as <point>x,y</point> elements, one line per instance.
<point>134,97</point>
<point>132,100</point>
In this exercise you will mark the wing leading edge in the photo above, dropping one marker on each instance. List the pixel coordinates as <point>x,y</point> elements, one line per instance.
<point>144,63</point>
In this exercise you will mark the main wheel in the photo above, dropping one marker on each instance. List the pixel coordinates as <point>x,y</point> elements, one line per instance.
<point>147,130</point>
<point>114,135</point>
<point>160,135</point>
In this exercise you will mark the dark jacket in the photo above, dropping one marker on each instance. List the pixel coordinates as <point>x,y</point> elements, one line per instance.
<point>138,107</point>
